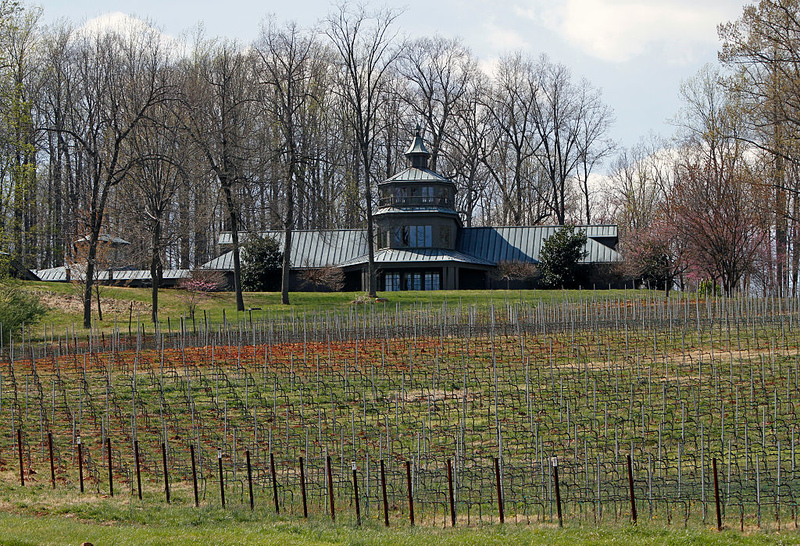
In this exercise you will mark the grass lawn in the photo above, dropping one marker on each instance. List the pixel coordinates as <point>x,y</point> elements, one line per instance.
<point>127,522</point>
<point>122,306</point>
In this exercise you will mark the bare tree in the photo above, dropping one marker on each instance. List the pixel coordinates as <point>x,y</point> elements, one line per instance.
<point>511,164</point>
<point>287,69</point>
<point>594,145</point>
<point>61,219</point>
<point>217,114</point>
<point>155,183</point>
<point>366,51</point>
<point>641,181</point>
<point>440,71</point>
<point>118,79</point>
<point>571,122</point>
<point>469,143</point>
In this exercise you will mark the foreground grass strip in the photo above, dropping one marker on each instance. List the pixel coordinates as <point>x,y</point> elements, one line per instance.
<point>211,527</point>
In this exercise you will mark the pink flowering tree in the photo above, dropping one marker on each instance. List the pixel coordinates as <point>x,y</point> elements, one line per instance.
<point>197,289</point>
<point>654,255</point>
<point>716,215</point>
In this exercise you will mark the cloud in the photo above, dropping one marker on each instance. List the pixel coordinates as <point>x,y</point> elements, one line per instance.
<point>127,25</point>
<point>503,38</point>
<point>619,30</point>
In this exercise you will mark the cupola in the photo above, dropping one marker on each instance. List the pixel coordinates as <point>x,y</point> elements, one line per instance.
<point>417,153</point>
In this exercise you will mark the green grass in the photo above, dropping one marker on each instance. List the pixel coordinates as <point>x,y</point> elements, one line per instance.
<point>128,522</point>
<point>172,304</point>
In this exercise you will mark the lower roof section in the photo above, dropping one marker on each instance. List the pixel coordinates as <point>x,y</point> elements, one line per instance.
<point>59,274</point>
<point>392,256</point>
<point>524,243</point>
<point>483,246</point>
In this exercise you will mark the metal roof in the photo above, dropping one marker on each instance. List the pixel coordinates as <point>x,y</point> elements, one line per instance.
<point>417,147</point>
<point>523,244</point>
<point>480,245</point>
<point>416,255</point>
<point>600,231</point>
<point>413,174</point>
<point>310,249</point>
<point>53,274</point>
<point>59,274</point>
<point>105,238</point>
<point>412,210</point>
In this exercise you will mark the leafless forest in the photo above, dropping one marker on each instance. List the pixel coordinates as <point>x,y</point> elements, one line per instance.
<point>167,142</point>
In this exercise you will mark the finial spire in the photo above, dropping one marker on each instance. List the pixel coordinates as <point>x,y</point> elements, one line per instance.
<point>417,152</point>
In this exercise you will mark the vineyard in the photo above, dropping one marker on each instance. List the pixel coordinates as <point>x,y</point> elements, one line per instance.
<point>580,411</point>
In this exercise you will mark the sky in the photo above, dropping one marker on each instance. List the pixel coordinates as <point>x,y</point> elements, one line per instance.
<point>637,52</point>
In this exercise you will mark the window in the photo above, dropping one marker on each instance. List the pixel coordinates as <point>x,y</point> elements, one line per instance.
<point>427,195</point>
<point>432,281</point>
<point>391,282</point>
<point>383,238</point>
<point>413,281</point>
<point>423,280</point>
<point>413,236</point>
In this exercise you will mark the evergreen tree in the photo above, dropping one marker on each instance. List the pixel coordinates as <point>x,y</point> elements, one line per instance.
<point>261,271</point>
<point>560,256</point>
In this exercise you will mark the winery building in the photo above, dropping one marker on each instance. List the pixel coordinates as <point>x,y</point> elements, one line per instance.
<point>421,243</point>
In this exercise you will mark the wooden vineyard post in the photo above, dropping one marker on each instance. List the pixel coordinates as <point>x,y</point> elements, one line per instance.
<point>110,467</point>
<point>221,478</point>
<point>450,492</point>
<point>554,462</point>
<point>166,469</point>
<point>21,464</point>
<point>194,477</point>
<point>630,490</point>
<point>410,493</point>
<point>274,482</point>
<point>330,487</point>
<point>355,494</point>
<point>80,462</point>
<point>303,488</point>
<point>249,478</point>
<point>383,492</point>
<point>499,489</point>
<point>138,468</point>
<point>716,494</point>
<point>52,464</point>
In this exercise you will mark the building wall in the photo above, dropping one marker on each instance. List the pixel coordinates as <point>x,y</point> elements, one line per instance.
<point>439,224</point>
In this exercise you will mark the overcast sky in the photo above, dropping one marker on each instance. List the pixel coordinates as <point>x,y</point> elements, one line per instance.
<point>636,51</point>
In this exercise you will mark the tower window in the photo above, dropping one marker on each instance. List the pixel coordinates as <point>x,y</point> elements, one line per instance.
<point>413,236</point>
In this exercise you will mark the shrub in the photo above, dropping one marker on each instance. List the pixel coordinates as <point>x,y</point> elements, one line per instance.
<point>329,277</point>
<point>261,271</point>
<point>17,308</point>
<point>560,257</point>
<point>515,271</point>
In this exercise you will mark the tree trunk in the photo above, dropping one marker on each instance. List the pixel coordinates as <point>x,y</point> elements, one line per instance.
<point>371,284</point>
<point>155,268</point>
<point>89,280</point>
<point>237,266</point>
<point>287,241</point>
<point>99,308</point>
